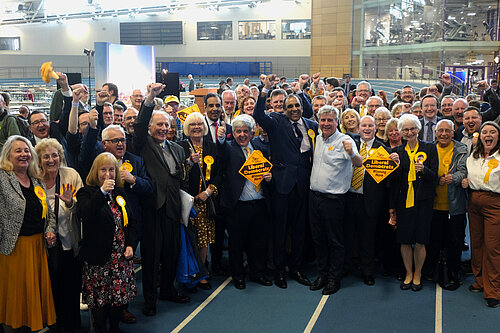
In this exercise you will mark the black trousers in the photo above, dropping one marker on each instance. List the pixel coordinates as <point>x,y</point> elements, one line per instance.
<point>159,245</point>
<point>220,228</point>
<point>326,218</point>
<point>66,281</point>
<point>447,233</point>
<point>289,212</point>
<point>359,228</point>
<point>248,233</point>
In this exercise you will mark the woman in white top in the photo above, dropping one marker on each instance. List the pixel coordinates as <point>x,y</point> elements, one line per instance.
<point>65,271</point>
<point>484,212</point>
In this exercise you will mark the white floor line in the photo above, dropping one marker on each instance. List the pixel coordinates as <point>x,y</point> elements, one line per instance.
<point>201,306</point>
<point>439,309</point>
<point>316,314</point>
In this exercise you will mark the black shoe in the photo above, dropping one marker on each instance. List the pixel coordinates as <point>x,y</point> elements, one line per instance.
<point>319,283</point>
<point>176,297</point>
<point>280,280</point>
<point>369,280</point>
<point>127,317</point>
<point>204,286</point>
<point>475,289</point>
<point>331,288</point>
<point>416,287</point>
<point>261,280</point>
<point>239,283</point>
<point>300,278</point>
<point>405,286</point>
<point>192,290</point>
<point>149,310</point>
<point>492,303</point>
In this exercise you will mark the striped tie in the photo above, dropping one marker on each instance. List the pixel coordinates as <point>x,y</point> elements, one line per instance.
<point>257,188</point>
<point>357,176</point>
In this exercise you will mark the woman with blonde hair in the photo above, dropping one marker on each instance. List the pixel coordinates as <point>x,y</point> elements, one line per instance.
<point>108,243</point>
<point>27,226</point>
<point>62,183</point>
<point>350,121</point>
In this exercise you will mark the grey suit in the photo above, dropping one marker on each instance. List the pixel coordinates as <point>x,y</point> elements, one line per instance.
<point>12,206</point>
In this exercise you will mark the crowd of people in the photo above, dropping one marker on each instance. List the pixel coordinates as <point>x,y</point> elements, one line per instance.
<point>82,187</point>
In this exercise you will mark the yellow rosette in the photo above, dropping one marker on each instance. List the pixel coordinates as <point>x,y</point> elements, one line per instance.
<point>492,164</point>
<point>121,202</point>
<point>446,163</point>
<point>475,135</point>
<point>371,151</point>
<point>330,148</point>
<point>312,135</point>
<point>209,160</point>
<point>420,157</point>
<point>127,166</point>
<point>40,193</point>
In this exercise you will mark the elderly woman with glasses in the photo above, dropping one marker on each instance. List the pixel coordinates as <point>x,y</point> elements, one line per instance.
<point>413,188</point>
<point>204,178</point>
<point>62,183</point>
<point>381,115</point>
<point>27,227</point>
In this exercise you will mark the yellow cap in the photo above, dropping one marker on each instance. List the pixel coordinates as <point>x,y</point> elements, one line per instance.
<point>171,98</point>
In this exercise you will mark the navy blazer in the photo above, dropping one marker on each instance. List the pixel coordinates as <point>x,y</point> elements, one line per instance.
<point>290,167</point>
<point>426,182</point>
<point>373,192</point>
<point>233,158</point>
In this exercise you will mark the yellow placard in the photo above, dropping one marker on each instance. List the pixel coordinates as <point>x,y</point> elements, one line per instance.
<point>255,166</point>
<point>492,164</point>
<point>378,164</point>
<point>121,202</point>
<point>182,114</point>
<point>312,135</point>
<point>209,160</point>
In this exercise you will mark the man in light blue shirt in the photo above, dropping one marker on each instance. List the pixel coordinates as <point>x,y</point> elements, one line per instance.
<point>334,157</point>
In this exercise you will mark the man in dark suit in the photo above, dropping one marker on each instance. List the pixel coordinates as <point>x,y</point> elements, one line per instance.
<point>364,204</point>
<point>347,86</point>
<point>213,112</point>
<point>291,142</point>
<point>430,107</point>
<point>246,204</point>
<point>161,234</point>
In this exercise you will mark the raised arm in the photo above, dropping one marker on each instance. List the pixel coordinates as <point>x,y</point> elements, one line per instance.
<point>141,123</point>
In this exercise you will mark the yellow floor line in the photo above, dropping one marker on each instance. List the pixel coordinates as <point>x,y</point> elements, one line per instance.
<point>201,306</point>
<point>316,314</point>
<point>439,309</point>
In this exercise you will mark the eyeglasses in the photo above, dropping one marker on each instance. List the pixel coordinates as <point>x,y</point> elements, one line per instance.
<point>382,119</point>
<point>374,106</point>
<point>47,157</point>
<point>135,96</point>
<point>130,118</point>
<point>85,123</point>
<point>41,121</point>
<point>196,124</point>
<point>411,129</point>
<point>116,141</point>
<point>290,106</point>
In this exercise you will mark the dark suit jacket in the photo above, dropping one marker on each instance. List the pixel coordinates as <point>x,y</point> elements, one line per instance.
<point>233,158</point>
<point>421,133</point>
<point>209,148</point>
<point>167,181</point>
<point>290,167</point>
<point>426,182</point>
<point>99,224</point>
<point>373,192</point>
<point>229,132</point>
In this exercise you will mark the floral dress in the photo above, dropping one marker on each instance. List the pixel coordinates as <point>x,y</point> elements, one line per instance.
<point>114,282</point>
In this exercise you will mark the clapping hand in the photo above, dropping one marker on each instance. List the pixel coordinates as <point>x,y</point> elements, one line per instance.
<point>195,157</point>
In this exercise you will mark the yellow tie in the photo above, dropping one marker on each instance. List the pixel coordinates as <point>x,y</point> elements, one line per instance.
<point>257,188</point>
<point>357,176</point>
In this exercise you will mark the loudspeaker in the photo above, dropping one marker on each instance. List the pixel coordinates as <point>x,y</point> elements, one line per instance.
<point>171,80</point>
<point>73,78</point>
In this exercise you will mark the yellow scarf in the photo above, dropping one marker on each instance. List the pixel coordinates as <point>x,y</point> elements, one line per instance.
<point>412,176</point>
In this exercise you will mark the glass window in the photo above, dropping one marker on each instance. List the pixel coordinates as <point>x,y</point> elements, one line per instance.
<point>257,30</point>
<point>222,30</point>
<point>296,29</point>
<point>10,43</point>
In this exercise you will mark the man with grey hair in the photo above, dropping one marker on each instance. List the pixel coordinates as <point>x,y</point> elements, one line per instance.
<point>191,83</point>
<point>228,105</point>
<point>247,204</point>
<point>450,205</point>
<point>372,104</point>
<point>457,111</point>
<point>334,157</point>
<point>363,91</point>
<point>166,165</point>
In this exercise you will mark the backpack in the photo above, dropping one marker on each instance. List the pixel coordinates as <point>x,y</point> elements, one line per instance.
<point>21,124</point>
